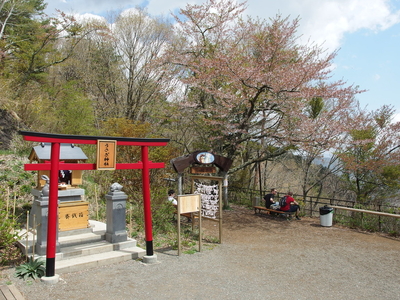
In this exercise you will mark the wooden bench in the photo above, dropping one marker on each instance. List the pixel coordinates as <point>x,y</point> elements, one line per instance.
<point>269,210</point>
<point>189,216</point>
<point>10,292</point>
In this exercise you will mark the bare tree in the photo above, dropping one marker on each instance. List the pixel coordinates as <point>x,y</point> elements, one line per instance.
<point>139,41</point>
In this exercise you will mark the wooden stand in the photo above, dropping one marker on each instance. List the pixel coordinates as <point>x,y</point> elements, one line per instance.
<point>189,204</point>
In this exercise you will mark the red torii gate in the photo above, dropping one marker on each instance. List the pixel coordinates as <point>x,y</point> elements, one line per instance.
<point>55,165</point>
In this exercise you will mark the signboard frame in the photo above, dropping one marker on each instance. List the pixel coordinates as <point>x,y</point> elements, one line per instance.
<point>106,155</point>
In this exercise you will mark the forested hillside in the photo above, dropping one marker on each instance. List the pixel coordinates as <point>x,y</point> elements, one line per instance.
<point>212,79</point>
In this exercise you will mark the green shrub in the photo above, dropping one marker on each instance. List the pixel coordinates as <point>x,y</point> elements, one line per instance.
<point>162,216</point>
<point>8,237</point>
<point>33,268</point>
<point>191,251</point>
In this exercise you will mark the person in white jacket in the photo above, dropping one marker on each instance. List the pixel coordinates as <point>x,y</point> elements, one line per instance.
<point>171,197</point>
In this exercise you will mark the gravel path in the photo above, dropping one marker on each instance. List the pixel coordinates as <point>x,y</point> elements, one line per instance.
<point>261,257</point>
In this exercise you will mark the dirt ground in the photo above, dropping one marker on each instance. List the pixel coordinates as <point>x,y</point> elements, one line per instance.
<point>260,257</point>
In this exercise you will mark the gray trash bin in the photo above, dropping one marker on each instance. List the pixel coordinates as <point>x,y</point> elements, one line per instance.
<point>326,215</point>
<point>256,201</point>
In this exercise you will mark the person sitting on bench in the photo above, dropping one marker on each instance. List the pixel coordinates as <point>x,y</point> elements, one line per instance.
<point>171,197</point>
<point>291,205</point>
<point>269,198</point>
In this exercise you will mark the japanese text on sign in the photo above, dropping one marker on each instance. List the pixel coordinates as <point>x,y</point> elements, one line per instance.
<point>74,215</point>
<point>106,155</point>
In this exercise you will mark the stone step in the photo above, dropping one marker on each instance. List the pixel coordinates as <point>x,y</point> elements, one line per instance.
<point>75,232</point>
<point>64,241</point>
<point>94,260</point>
<point>83,238</point>
<point>83,249</point>
<point>93,248</point>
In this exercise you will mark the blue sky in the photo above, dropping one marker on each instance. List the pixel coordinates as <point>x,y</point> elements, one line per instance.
<point>366,32</point>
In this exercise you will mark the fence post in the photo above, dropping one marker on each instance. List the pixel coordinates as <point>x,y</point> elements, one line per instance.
<point>379,218</point>
<point>362,220</point>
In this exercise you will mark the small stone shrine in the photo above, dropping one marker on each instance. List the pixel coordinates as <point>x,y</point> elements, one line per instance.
<point>72,209</point>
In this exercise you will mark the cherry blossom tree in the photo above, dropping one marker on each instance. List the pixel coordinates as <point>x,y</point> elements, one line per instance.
<point>371,155</point>
<point>315,162</point>
<point>251,82</point>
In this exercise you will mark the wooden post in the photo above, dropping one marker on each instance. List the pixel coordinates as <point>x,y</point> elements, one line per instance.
<point>27,236</point>
<point>200,224</point>
<point>220,210</point>
<point>179,227</point>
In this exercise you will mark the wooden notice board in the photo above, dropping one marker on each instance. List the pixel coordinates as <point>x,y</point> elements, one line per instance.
<point>189,204</point>
<point>106,154</point>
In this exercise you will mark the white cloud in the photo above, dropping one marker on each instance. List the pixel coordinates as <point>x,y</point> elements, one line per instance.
<point>325,21</point>
<point>377,77</point>
<point>396,118</point>
<point>328,21</point>
<point>88,17</point>
<point>165,7</point>
<point>89,6</point>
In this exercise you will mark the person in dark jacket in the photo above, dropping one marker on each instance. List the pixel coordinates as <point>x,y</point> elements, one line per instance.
<point>269,198</point>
